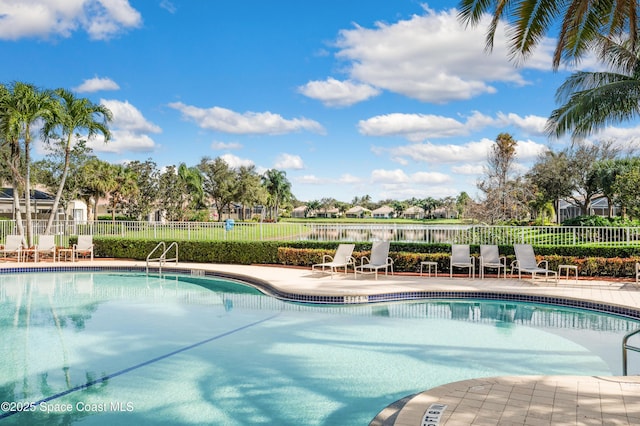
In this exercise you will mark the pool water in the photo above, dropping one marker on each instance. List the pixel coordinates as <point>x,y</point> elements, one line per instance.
<point>107,348</point>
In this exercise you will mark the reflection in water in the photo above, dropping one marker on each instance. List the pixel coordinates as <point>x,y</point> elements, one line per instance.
<point>65,335</point>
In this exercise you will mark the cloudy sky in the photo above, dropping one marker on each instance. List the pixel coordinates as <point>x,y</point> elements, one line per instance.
<point>392,99</point>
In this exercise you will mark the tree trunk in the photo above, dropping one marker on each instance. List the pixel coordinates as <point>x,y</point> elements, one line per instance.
<point>63,179</point>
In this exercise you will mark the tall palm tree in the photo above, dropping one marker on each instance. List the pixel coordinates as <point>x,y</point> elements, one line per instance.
<point>581,21</point>
<point>11,152</point>
<point>278,187</point>
<point>21,108</point>
<point>592,100</point>
<point>72,116</point>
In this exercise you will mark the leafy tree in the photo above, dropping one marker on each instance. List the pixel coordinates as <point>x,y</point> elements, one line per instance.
<point>398,207</point>
<point>218,182</point>
<point>278,187</point>
<point>71,116</point>
<point>48,171</point>
<point>549,176</point>
<point>463,202</point>
<point>248,190</point>
<point>503,192</point>
<point>591,101</point>
<point>170,194</point>
<point>530,20</point>
<point>627,189</point>
<point>147,176</point>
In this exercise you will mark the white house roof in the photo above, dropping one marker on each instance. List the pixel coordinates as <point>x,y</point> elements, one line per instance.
<point>383,210</point>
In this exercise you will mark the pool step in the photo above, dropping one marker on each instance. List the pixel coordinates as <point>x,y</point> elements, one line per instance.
<point>387,417</point>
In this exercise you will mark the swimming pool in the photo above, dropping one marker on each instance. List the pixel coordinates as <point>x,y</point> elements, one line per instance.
<point>101,348</point>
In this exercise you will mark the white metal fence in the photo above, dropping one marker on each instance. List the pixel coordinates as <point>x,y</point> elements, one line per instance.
<point>285,231</point>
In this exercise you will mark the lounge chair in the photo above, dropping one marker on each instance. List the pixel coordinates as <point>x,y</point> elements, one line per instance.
<point>490,258</point>
<point>84,247</point>
<point>342,258</point>
<point>526,262</point>
<point>379,260</point>
<point>637,273</point>
<point>461,258</point>
<point>46,247</point>
<point>13,246</point>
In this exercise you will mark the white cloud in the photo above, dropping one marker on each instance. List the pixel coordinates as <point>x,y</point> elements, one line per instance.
<point>227,121</point>
<point>468,169</point>
<point>401,57</point>
<point>349,179</point>
<point>389,176</point>
<point>96,84</point>
<point>289,161</point>
<point>530,124</point>
<point>168,6</point>
<point>311,180</point>
<point>234,161</point>
<point>101,19</point>
<point>419,127</point>
<point>469,153</point>
<point>129,130</point>
<point>332,92</point>
<point>225,145</point>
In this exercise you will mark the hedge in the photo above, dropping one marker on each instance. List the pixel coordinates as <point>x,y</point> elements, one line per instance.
<point>591,260</point>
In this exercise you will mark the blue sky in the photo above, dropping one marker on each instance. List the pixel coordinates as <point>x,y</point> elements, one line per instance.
<point>393,99</point>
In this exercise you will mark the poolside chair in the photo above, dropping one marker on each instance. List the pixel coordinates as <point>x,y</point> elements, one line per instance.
<point>13,246</point>
<point>526,262</point>
<point>342,258</point>
<point>490,258</point>
<point>84,247</point>
<point>46,247</point>
<point>637,273</point>
<point>379,260</point>
<point>461,258</point>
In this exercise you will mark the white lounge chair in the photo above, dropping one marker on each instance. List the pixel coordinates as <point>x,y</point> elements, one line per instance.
<point>461,258</point>
<point>526,262</point>
<point>379,260</point>
<point>84,247</point>
<point>46,247</point>
<point>341,259</point>
<point>13,246</point>
<point>490,258</point>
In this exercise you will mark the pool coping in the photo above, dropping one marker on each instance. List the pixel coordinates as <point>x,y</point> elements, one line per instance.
<point>302,286</point>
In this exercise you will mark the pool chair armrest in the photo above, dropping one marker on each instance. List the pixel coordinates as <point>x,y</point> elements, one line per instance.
<point>327,258</point>
<point>546,264</point>
<point>362,260</point>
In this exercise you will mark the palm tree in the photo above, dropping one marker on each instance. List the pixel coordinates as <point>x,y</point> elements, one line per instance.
<point>279,188</point>
<point>592,100</point>
<point>22,105</point>
<point>192,179</point>
<point>124,186</point>
<point>581,22</point>
<point>97,181</point>
<point>74,115</point>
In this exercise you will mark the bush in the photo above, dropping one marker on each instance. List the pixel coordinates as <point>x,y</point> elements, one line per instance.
<point>600,221</point>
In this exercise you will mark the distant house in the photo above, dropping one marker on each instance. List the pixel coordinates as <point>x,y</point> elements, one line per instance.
<point>41,204</point>
<point>413,212</point>
<point>328,212</point>
<point>357,212</point>
<point>599,207</point>
<point>299,212</point>
<point>384,212</point>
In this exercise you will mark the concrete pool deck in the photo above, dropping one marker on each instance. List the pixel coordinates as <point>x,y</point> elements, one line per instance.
<point>526,400</point>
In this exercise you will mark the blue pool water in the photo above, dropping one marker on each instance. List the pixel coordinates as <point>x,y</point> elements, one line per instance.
<point>107,348</point>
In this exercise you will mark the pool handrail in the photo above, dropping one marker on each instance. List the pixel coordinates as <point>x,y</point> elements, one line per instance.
<point>626,347</point>
<point>162,259</point>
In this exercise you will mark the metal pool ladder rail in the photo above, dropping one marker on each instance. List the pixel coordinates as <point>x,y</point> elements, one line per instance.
<point>625,347</point>
<point>163,257</point>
